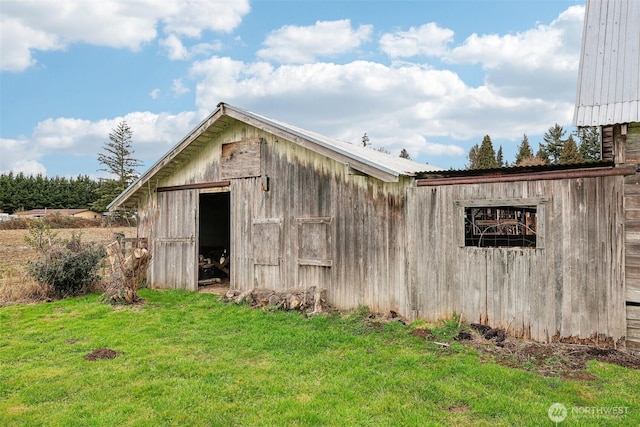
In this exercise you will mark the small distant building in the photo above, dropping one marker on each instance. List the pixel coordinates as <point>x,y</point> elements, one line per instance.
<point>76,213</point>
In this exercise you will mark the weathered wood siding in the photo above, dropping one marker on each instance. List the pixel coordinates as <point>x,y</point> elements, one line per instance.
<point>633,328</point>
<point>571,285</point>
<point>174,261</point>
<point>317,225</point>
<point>304,221</point>
<point>632,237</point>
<point>300,219</point>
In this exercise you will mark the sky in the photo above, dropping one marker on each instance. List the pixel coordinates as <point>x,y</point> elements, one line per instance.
<point>433,77</point>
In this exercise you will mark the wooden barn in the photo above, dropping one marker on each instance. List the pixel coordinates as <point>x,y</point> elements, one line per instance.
<point>548,253</point>
<point>290,208</point>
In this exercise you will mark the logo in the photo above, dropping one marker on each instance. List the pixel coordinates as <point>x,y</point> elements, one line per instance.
<point>557,412</point>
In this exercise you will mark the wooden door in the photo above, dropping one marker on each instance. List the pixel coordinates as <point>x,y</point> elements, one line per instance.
<point>174,262</point>
<point>314,252</point>
<point>266,237</point>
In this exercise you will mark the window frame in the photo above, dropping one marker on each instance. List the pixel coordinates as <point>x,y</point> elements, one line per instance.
<point>538,203</point>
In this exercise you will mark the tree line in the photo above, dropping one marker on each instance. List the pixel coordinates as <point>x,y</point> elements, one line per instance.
<point>556,149</point>
<point>21,192</point>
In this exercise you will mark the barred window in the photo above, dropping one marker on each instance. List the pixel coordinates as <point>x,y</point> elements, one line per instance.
<point>500,226</point>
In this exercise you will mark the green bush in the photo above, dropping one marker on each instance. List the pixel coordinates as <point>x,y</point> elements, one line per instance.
<point>69,267</point>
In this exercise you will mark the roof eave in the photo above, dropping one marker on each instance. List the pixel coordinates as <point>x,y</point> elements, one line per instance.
<point>349,159</point>
<point>168,157</point>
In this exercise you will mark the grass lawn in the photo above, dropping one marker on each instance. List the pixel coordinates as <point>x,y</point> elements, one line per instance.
<point>188,359</point>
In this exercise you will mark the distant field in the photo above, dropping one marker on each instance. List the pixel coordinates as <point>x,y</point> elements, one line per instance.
<point>14,251</point>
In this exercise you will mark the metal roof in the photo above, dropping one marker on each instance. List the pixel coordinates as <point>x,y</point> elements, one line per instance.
<point>523,173</point>
<point>609,75</point>
<point>371,162</point>
<point>394,165</point>
<point>510,170</point>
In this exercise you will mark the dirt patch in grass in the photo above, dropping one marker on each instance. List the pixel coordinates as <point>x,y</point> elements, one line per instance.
<point>102,353</point>
<point>565,360</point>
<point>421,333</point>
<point>459,408</point>
<point>553,360</point>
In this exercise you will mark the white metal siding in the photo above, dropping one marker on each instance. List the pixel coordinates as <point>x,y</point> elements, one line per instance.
<point>609,76</point>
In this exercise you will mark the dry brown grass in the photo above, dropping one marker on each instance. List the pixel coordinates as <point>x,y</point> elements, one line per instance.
<point>16,286</point>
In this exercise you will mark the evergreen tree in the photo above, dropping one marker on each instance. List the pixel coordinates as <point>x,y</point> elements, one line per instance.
<point>553,143</point>
<point>589,146</point>
<point>40,198</point>
<point>473,157</point>
<point>365,140</point>
<point>542,154</point>
<point>405,154</point>
<point>487,155</point>
<point>6,193</point>
<point>119,162</point>
<point>500,157</point>
<point>87,190</point>
<point>484,156</point>
<point>524,150</point>
<point>107,190</point>
<point>22,192</point>
<point>570,153</point>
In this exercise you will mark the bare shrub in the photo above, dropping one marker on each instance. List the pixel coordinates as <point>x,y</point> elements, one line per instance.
<point>128,273</point>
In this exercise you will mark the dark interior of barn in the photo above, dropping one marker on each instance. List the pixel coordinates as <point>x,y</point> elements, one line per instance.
<point>214,239</point>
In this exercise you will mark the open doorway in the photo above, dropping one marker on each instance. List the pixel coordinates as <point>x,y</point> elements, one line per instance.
<point>214,231</point>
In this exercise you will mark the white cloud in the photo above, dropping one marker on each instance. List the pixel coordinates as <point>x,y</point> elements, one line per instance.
<point>176,50</point>
<point>155,93</point>
<point>153,135</point>
<point>191,17</point>
<point>20,156</point>
<point>428,39</point>
<point>529,84</point>
<point>402,106</point>
<point>35,25</point>
<point>554,47</point>
<point>296,44</point>
<point>539,63</point>
<point>174,47</point>
<point>178,88</point>
<point>203,49</point>
<point>30,167</point>
<point>19,40</point>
